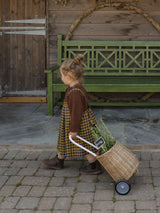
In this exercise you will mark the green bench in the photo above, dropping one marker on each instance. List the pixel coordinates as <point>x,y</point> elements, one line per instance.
<point>110,66</point>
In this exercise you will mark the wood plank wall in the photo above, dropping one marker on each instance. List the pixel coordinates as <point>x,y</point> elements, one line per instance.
<point>22,55</point>
<point>105,24</point>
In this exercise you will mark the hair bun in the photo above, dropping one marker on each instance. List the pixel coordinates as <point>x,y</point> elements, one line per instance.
<point>78,59</point>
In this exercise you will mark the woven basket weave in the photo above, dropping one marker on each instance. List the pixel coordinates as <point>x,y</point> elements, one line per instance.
<point>119,162</point>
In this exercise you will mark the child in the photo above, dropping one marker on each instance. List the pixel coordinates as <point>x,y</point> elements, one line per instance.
<point>76,119</point>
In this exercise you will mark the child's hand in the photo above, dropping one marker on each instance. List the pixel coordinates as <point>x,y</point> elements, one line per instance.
<point>74,134</point>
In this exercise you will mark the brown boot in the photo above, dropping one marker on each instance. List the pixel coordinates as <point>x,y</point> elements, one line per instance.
<point>92,169</point>
<point>54,163</point>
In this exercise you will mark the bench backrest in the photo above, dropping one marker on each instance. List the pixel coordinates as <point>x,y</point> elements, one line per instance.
<point>114,58</point>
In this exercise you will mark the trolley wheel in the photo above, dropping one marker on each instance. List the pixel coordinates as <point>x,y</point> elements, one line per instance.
<point>122,187</point>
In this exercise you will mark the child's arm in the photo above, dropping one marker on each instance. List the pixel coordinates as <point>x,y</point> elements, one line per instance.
<point>77,106</point>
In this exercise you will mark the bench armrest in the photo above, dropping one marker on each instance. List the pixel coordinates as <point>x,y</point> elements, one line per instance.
<point>52,69</point>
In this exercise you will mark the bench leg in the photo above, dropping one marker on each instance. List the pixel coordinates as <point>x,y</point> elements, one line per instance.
<point>50,94</point>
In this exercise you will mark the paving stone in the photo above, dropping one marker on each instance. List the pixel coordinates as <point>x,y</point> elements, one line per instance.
<point>63,203</point>
<point>60,211</point>
<point>143,180</point>
<point>149,205</point>
<point>11,154</point>
<point>3,179</point>
<point>75,208</point>
<point>9,203</point>
<point>144,172</point>
<point>155,172</point>
<point>22,191</point>
<point>83,197</point>
<point>21,155</point>
<point>7,190</point>
<point>44,155</point>
<point>13,180</point>
<point>57,181</point>
<point>158,201</point>
<point>88,178</point>
<point>5,163</point>
<point>105,186</point>
<point>156,181</point>
<point>20,163</point>
<point>44,172</point>
<point>124,207</point>
<point>146,156</point>
<point>101,205</point>
<point>59,191</point>
<point>102,211</point>
<point>138,192</point>
<point>155,156</point>
<point>155,164</point>
<point>85,187</point>
<point>2,170</point>
<point>144,164</point>
<point>26,211</point>
<point>37,191</point>
<point>71,182</point>
<point>67,172</point>
<point>157,191</point>
<point>27,203</point>
<point>104,195</point>
<point>105,177</point>
<point>1,198</point>
<point>3,153</point>
<point>8,211</point>
<point>27,171</point>
<point>146,211</point>
<point>35,181</point>
<point>46,203</point>
<point>34,164</point>
<point>11,171</point>
<point>33,155</point>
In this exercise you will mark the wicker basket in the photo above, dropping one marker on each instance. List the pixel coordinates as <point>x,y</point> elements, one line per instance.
<point>119,162</point>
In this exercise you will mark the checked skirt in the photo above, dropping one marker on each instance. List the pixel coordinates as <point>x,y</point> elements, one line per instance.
<point>67,148</point>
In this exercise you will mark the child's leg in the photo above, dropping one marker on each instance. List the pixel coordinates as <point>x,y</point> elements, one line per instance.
<point>54,163</point>
<point>90,158</point>
<point>61,156</point>
<point>93,168</point>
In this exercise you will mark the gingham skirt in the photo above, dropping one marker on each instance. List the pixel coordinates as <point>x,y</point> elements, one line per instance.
<point>67,148</point>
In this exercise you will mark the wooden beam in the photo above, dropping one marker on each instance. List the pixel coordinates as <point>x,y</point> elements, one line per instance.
<point>23,100</point>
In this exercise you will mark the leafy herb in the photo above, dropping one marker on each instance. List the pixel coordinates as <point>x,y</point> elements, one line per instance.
<point>106,135</point>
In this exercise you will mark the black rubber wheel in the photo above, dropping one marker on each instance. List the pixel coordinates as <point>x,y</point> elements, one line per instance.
<point>122,187</point>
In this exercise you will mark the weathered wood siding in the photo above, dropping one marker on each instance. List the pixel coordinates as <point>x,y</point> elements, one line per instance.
<point>105,24</point>
<point>22,45</point>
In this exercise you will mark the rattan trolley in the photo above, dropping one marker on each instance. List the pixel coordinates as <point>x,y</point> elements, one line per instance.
<point>119,162</point>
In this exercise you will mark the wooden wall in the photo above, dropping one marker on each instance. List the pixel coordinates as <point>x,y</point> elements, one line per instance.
<point>105,24</point>
<point>24,56</point>
<point>22,45</point>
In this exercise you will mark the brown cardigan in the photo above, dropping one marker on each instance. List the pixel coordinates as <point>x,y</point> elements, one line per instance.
<point>77,103</point>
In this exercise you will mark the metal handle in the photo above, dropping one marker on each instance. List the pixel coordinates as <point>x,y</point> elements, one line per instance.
<point>77,144</point>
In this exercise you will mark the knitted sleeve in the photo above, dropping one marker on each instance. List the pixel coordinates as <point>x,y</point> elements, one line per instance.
<point>77,105</point>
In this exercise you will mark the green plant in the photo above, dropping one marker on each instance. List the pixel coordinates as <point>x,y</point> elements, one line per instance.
<point>105,134</point>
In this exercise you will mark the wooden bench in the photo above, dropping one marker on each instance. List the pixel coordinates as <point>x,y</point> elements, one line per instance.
<point>110,66</point>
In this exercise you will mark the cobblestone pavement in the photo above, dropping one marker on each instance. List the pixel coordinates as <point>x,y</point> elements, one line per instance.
<point>26,187</point>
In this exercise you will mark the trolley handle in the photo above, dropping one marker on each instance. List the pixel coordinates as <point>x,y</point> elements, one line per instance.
<point>77,144</point>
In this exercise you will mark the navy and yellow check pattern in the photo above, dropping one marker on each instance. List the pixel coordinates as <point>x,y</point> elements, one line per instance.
<point>67,148</point>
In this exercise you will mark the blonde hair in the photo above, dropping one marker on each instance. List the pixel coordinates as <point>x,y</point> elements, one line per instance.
<point>73,67</point>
